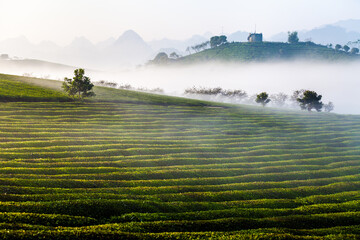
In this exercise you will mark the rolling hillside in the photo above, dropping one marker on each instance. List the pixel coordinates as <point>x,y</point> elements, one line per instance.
<point>35,67</point>
<point>247,52</point>
<point>129,165</point>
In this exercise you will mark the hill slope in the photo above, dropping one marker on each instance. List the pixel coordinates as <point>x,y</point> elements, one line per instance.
<point>247,52</point>
<point>146,167</point>
<point>14,88</point>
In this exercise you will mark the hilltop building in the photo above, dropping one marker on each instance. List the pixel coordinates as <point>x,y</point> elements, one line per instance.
<point>255,37</point>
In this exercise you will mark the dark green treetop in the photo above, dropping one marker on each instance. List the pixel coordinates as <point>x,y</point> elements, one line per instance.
<point>217,41</point>
<point>262,98</point>
<point>354,50</point>
<point>293,37</point>
<point>310,100</point>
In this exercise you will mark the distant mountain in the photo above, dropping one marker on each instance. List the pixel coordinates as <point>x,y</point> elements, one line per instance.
<point>81,43</point>
<point>106,43</point>
<point>351,25</point>
<point>330,34</point>
<point>80,51</point>
<point>179,45</point>
<point>19,46</point>
<point>128,49</point>
<point>130,37</point>
<point>341,32</point>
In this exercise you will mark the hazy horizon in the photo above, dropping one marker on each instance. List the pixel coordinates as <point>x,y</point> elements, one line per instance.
<point>334,81</point>
<point>62,21</point>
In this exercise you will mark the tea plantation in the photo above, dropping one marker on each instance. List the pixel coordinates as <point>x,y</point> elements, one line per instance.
<point>130,165</point>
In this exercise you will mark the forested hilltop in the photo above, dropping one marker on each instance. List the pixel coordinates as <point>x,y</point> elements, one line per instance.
<point>259,51</point>
<point>246,51</point>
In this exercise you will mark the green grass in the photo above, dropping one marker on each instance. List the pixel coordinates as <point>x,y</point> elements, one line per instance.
<point>19,91</point>
<point>16,88</point>
<point>129,165</point>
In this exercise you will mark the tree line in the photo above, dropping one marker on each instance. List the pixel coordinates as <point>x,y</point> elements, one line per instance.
<point>81,87</point>
<point>293,38</point>
<point>305,99</point>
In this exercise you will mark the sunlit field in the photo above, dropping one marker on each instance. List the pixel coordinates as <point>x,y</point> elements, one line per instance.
<point>130,165</point>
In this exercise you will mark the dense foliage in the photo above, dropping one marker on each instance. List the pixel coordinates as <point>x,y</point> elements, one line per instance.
<point>293,37</point>
<point>79,86</point>
<point>310,100</point>
<point>216,41</point>
<point>262,98</point>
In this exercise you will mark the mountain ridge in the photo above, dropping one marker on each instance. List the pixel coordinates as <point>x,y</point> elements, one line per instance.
<point>130,49</point>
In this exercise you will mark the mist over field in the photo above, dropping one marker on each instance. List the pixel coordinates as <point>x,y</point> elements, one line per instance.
<point>336,82</point>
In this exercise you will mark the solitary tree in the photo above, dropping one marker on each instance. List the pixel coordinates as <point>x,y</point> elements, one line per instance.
<point>338,47</point>
<point>79,86</point>
<point>310,100</point>
<point>262,98</point>
<point>293,37</point>
<point>346,48</point>
<point>354,50</point>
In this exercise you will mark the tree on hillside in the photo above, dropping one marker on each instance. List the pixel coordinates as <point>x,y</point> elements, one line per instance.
<point>217,41</point>
<point>310,100</point>
<point>329,107</point>
<point>201,46</point>
<point>188,50</point>
<point>279,99</point>
<point>297,94</point>
<point>196,48</point>
<point>174,55</point>
<point>346,48</point>
<point>262,98</point>
<point>354,50</point>
<point>338,47</point>
<point>79,86</point>
<point>293,37</point>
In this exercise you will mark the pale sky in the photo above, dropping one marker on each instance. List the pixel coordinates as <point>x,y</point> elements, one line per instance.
<point>61,21</point>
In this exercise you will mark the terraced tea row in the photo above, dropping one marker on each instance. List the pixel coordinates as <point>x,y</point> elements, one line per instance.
<point>100,169</point>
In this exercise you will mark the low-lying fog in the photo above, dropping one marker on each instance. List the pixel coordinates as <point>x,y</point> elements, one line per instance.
<point>336,82</point>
